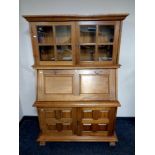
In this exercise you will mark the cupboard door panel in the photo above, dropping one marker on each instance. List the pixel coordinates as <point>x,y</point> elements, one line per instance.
<point>98,42</point>
<point>57,121</point>
<point>53,43</point>
<point>96,121</point>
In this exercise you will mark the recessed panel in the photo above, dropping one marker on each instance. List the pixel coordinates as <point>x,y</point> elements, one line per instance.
<point>58,84</point>
<point>94,84</point>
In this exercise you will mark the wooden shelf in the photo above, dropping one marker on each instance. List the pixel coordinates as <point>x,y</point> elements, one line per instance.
<point>105,44</point>
<point>82,44</point>
<point>97,43</point>
<point>77,104</point>
<point>75,67</point>
<point>45,44</point>
<point>65,44</point>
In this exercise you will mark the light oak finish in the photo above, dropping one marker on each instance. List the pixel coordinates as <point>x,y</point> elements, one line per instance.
<point>59,18</point>
<point>76,58</point>
<point>53,104</point>
<point>48,138</point>
<point>58,84</point>
<point>97,84</point>
<point>76,85</point>
<point>74,22</point>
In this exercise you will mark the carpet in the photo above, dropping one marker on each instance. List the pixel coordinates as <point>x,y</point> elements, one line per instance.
<point>29,130</point>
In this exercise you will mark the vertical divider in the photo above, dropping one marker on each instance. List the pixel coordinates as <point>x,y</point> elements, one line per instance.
<point>96,47</point>
<point>116,40</point>
<point>54,37</point>
<point>79,121</point>
<point>74,120</point>
<point>73,42</point>
<point>77,43</point>
<point>34,37</point>
<point>76,83</point>
<point>112,121</point>
<point>42,120</point>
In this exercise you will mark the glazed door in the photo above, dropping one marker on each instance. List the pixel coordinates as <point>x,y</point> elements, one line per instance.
<point>97,42</point>
<point>53,43</point>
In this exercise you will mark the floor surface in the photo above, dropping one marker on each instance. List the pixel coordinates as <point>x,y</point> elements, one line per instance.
<point>29,131</point>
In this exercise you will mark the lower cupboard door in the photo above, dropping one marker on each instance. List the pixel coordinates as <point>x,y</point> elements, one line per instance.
<point>96,121</point>
<point>57,121</point>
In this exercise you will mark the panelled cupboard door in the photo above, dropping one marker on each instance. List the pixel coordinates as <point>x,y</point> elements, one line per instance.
<point>53,43</point>
<point>96,121</point>
<point>76,85</point>
<point>97,42</point>
<point>83,121</point>
<point>57,121</point>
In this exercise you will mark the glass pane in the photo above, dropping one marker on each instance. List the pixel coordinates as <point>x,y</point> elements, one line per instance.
<point>64,53</point>
<point>106,33</point>
<point>45,34</point>
<point>87,53</point>
<point>105,52</point>
<point>63,34</point>
<point>46,53</point>
<point>88,34</point>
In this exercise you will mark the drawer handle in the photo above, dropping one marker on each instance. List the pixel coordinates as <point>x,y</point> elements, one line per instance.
<point>87,110</point>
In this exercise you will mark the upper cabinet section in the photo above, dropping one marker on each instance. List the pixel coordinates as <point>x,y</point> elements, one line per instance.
<point>76,40</point>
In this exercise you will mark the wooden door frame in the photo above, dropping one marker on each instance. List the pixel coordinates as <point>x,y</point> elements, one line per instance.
<point>34,37</point>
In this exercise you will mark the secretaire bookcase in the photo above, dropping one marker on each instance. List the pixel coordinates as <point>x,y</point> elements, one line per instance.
<point>76,58</point>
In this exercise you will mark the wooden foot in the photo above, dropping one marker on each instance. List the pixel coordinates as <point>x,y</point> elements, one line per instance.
<point>112,143</point>
<point>43,143</point>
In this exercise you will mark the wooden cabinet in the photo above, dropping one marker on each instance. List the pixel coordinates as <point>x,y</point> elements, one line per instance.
<point>76,58</point>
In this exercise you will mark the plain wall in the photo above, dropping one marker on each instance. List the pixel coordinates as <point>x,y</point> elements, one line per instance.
<point>20,111</point>
<point>126,81</point>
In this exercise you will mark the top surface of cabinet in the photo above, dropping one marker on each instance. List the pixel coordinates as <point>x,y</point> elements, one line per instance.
<point>78,41</point>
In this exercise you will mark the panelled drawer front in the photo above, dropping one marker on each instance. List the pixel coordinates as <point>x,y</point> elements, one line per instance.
<point>96,121</point>
<point>76,85</point>
<point>57,121</point>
